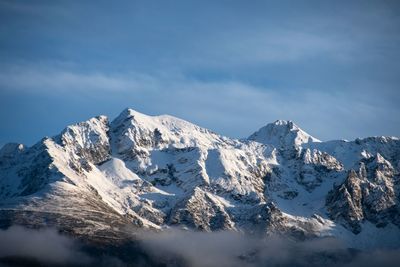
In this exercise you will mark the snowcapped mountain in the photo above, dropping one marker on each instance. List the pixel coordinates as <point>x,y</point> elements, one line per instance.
<point>282,134</point>
<point>97,177</point>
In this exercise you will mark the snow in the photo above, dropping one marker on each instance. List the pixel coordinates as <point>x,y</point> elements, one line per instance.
<point>174,132</point>
<point>119,174</point>
<point>87,134</point>
<point>282,134</point>
<point>351,152</point>
<point>371,237</point>
<point>150,164</point>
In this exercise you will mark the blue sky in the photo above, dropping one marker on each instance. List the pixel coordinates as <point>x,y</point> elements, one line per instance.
<point>333,67</point>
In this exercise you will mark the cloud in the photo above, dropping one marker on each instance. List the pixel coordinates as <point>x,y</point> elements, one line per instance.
<point>235,48</point>
<point>229,249</point>
<point>234,36</point>
<point>56,81</point>
<point>45,245</point>
<point>331,64</point>
<point>199,249</point>
<point>220,105</point>
<point>376,258</point>
<point>174,247</point>
<point>20,246</point>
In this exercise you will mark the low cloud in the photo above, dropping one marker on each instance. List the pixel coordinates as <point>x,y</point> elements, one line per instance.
<point>225,249</point>
<point>43,245</point>
<point>228,249</point>
<point>173,247</point>
<point>46,247</point>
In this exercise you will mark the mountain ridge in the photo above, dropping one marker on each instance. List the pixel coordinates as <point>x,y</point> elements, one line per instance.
<point>160,171</point>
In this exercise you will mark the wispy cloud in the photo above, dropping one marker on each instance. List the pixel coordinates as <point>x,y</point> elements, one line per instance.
<point>220,105</point>
<point>220,65</point>
<point>56,81</point>
<point>269,46</point>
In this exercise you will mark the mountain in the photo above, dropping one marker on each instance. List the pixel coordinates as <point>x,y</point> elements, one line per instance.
<point>282,134</point>
<point>98,177</point>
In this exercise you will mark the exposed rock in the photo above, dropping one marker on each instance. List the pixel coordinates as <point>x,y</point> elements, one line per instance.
<point>97,178</point>
<point>201,211</point>
<point>366,195</point>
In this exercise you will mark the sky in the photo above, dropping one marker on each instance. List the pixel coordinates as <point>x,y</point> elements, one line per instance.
<point>333,67</point>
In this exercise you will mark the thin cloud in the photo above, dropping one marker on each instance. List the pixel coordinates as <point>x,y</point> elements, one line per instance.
<point>41,81</point>
<point>229,103</point>
<point>266,47</point>
<point>45,245</point>
<point>232,249</point>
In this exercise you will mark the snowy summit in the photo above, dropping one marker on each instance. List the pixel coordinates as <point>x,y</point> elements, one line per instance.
<point>154,172</point>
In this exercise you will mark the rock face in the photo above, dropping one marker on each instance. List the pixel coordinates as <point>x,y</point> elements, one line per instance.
<point>371,194</point>
<point>97,177</point>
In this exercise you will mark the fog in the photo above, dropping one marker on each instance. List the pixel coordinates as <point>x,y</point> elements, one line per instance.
<point>175,247</point>
<point>233,249</point>
<point>20,246</point>
<point>46,245</point>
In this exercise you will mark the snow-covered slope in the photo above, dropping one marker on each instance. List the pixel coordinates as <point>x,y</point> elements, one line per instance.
<point>97,177</point>
<point>282,134</point>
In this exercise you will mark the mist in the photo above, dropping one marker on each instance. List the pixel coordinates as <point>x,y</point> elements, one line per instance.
<point>225,249</point>
<point>43,245</point>
<point>174,247</point>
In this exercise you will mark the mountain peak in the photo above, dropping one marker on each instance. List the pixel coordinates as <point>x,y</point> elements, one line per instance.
<point>161,171</point>
<point>134,129</point>
<point>284,122</point>
<point>128,113</point>
<point>282,133</point>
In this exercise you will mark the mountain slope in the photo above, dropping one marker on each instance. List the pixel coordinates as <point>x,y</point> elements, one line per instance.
<point>97,177</point>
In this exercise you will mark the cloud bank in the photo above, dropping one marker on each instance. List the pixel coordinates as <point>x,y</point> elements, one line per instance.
<point>227,249</point>
<point>44,245</point>
<point>173,247</point>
